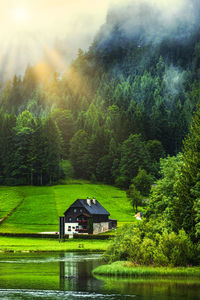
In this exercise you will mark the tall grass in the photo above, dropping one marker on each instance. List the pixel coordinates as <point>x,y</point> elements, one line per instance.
<point>126,269</point>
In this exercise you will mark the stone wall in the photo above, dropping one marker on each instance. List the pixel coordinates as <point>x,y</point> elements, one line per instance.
<point>100,227</point>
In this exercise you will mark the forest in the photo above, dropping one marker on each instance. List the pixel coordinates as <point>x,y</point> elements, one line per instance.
<point>126,112</point>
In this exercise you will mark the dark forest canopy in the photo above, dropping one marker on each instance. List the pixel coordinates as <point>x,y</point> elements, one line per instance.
<point>120,107</point>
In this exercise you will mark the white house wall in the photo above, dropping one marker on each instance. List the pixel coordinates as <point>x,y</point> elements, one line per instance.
<point>73,228</point>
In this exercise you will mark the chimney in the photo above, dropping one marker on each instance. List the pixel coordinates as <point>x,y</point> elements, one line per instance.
<point>89,201</point>
<point>94,200</point>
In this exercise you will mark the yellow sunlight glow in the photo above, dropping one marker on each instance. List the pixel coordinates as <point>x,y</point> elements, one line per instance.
<point>20,14</point>
<point>46,34</point>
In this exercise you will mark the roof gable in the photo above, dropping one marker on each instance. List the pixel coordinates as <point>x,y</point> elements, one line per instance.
<point>93,209</point>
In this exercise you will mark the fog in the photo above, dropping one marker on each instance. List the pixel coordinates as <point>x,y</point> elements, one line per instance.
<point>51,31</point>
<point>151,21</point>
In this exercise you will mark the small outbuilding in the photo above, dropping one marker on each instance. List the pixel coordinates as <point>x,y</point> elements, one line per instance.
<point>88,216</point>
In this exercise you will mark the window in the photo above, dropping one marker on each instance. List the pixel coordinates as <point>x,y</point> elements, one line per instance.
<point>77,218</point>
<point>81,210</point>
<point>69,228</point>
<point>75,210</point>
<point>73,227</point>
<point>70,219</point>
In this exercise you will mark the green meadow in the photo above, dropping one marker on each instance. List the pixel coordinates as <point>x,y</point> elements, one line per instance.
<point>9,199</point>
<point>18,244</point>
<point>41,207</point>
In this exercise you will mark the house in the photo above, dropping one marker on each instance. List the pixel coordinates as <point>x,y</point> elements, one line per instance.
<point>87,216</point>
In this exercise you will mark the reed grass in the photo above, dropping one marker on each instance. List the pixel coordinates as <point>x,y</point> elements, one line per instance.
<point>127,269</point>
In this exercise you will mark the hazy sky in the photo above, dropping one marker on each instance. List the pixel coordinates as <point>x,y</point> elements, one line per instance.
<point>29,29</point>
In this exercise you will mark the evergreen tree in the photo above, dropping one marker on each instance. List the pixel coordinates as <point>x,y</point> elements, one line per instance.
<point>185,209</point>
<point>133,156</point>
<point>79,154</point>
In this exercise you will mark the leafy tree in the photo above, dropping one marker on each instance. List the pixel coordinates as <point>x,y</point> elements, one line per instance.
<point>143,182</point>
<point>134,196</point>
<point>137,244</point>
<point>162,197</point>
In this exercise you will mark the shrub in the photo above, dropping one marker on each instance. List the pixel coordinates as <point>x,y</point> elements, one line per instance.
<point>137,244</point>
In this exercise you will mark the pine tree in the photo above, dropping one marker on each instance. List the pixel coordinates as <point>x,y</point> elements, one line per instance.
<point>186,204</point>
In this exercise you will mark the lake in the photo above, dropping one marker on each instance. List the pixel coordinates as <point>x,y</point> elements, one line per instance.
<point>68,276</point>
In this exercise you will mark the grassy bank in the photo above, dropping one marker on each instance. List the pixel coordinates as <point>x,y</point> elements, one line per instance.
<point>37,244</point>
<point>9,199</point>
<point>41,206</point>
<point>126,269</point>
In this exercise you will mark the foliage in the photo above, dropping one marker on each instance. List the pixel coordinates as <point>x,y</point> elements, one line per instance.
<point>162,193</point>
<point>137,244</point>
<point>185,209</point>
<point>133,156</point>
<point>134,196</point>
<point>143,182</point>
<point>90,226</point>
<point>67,169</point>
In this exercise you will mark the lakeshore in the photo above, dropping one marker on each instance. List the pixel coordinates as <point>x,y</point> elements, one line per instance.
<point>128,269</point>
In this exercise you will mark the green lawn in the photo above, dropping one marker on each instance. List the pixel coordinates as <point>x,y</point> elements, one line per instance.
<point>38,244</point>
<point>9,199</point>
<point>42,206</point>
<point>37,212</point>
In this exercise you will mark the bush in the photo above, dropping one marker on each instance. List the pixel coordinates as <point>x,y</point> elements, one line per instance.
<point>137,244</point>
<point>176,249</point>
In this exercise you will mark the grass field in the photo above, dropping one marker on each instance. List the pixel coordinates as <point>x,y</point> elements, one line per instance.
<point>42,206</point>
<point>9,199</point>
<point>37,244</point>
<point>126,269</point>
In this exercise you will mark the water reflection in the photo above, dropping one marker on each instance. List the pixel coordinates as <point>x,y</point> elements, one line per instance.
<point>75,272</point>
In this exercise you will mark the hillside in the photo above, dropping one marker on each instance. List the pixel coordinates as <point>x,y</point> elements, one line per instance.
<point>41,206</point>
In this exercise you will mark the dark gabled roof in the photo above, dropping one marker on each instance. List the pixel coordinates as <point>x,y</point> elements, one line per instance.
<point>94,209</point>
